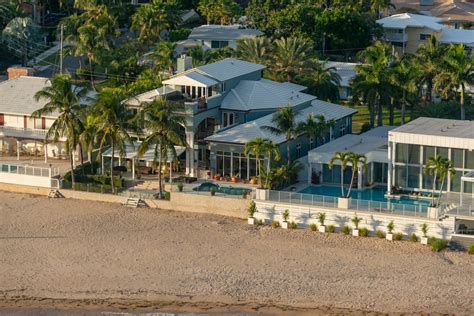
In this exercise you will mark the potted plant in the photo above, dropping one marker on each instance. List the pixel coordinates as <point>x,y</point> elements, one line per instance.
<point>356,220</point>
<point>180,186</point>
<point>424,230</point>
<point>253,180</point>
<point>251,210</point>
<point>217,177</point>
<point>213,191</point>
<point>235,178</point>
<point>390,228</point>
<point>286,216</point>
<point>321,219</point>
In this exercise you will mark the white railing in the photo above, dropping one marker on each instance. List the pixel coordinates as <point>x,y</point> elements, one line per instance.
<point>464,210</point>
<point>395,37</point>
<point>23,132</point>
<point>356,204</point>
<point>29,170</point>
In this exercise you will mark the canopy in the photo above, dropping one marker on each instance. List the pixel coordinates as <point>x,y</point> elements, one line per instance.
<point>131,153</point>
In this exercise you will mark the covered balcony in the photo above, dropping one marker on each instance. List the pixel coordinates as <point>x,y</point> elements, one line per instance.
<point>395,35</point>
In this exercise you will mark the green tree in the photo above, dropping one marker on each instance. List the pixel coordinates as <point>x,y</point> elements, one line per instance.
<point>442,168</point>
<point>163,55</point>
<point>114,121</point>
<point>291,56</point>
<point>152,18</point>
<point>344,158</point>
<point>323,81</point>
<point>162,123</point>
<point>89,136</point>
<point>208,9</point>
<point>284,123</point>
<point>226,10</point>
<point>428,57</point>
<point>271,151</point>
<point>66,99</point>
<point>257,147</point>
<point>456,74</point>
<point>315,127</point>
<point>22,37</point>
<point>356,160</point>
<point>254,50</point>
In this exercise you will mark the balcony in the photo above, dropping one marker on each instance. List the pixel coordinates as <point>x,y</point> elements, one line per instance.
<point>20,132</point>
<point>395,37</point>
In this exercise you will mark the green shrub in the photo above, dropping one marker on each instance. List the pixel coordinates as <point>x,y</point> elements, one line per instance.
<point>293,225</point>
<point>413,237</point>
<point>424,229</point>
<point>438,244</point>
<point>178,34</point>
<point>379,234</point>
<point>345,230</point>
<point>364,232</point>
<point>166,195</point>
<point>313,227</point>
<point>213,191</point>
<point>286,215</point>
<point>258,222</point>
<point>252,209</point>
<point>470,250</point>
<point>276,224</point>
<point>398,236</point>
<point>390,227</point>
<point>356,220</point>
<point>321,218</point>
<point>331,229</point>
<point>180,186</point>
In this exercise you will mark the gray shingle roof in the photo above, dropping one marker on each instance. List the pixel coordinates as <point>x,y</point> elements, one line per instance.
<point>223,33</point>
<point>264,94</point>
<point>17,95</point>
<point>229,68</point>
<point>438,127</point>
<point>243,133</point>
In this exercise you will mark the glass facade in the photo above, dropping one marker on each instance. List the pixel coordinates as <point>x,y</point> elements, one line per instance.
<point>237,164</point>
<point>334,175</point>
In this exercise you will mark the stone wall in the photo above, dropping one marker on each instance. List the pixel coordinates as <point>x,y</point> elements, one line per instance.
<point>306,215</point>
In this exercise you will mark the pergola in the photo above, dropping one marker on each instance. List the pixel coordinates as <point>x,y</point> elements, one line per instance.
<point>468,177</point>
<point>131,153</point>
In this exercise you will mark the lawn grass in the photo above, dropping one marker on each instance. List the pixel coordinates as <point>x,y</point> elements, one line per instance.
<point>363,115</point>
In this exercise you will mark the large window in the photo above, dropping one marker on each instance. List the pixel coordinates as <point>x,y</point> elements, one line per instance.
<point>219,44</point>
<point>401,153</point>
<point>428,152</point>
<point>413,177</point>
<point>469,160</point>
<point>228,119</point>
<point>414,154</point>
<point>231,163</point>
<point>401,176</point>
<point>457,157</point>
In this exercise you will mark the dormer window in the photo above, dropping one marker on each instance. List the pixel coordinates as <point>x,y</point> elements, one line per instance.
<point>223,87</point>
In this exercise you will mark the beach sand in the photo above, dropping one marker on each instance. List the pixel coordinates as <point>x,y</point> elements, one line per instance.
<point>65,253</point>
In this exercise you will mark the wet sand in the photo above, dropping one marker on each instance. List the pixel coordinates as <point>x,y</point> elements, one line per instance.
<point>71,254</point>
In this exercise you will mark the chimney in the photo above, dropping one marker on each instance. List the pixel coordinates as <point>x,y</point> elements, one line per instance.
<point>184,63</point>
<point>17,71</point>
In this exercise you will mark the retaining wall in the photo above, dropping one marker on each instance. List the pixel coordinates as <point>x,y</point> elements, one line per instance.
<point>17,188</point>
<point>306,215</point>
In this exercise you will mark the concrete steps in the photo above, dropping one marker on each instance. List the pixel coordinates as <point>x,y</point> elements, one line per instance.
<point>55,194</point>
<point>135,203</point>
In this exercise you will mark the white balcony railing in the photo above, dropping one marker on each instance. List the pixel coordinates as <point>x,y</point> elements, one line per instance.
<point>395,37</point>
<point>23,132</point>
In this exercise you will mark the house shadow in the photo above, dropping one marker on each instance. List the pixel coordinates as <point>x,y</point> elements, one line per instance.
<point>375,224</point>
<point>341,220</point>
<point>444,231</point>
<point>303,218</point>
<point>409,229</point>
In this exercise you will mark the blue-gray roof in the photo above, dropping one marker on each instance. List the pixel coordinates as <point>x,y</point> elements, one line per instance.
<point>223,33</point>
<point>243,133</point>
<point>229,68</point>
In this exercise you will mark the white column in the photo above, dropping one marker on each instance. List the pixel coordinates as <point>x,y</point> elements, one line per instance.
<point>120,161</point>
<point>18,145</point>
<point>360,173</point>
<point>103,164</point>
<point>45,147</point>
<point>461,192</point>
<point>190,166</point>
<point>133,168</point>
<point>171,171</point>
<point>310,173</point>
<point>389,174</point>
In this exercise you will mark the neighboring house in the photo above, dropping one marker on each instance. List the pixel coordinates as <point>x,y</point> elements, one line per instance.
<point>408,31</point>
<point>19,132</point>
<point>455,13</point>
<point>224,97</point>
<point>217,36</point>
<point>347,72</point>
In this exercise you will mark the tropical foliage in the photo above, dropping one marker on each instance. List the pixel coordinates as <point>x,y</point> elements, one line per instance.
<point>440,168</point>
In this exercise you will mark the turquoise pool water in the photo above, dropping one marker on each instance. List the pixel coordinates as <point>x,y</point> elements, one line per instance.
<point>369,194</point>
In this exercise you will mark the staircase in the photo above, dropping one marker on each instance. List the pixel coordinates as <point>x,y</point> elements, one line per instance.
<point>461,242</point>
<point>55,194</point>
<point>135,202</point>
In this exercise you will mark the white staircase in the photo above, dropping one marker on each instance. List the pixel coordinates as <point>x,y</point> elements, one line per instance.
<point>55,194</point>
<point>135,202</point>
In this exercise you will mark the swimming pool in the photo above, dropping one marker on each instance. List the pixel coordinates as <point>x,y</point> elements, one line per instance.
<point>370,194</point>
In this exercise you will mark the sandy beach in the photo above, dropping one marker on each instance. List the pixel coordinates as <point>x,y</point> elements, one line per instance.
<point>76,254</point>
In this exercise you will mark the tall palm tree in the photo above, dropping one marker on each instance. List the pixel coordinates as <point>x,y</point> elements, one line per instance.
<point>323,81</point>
<point>89,136</point>
<point>291,56</point>
<point>438,167</point>
<point>163,55</point>
<point>114,122</point>
<point>356,160</point>
<point>457,73</point>
<point>315,127</point>
<point>404,75</point>
<point>208,9</point>
<point>284,123</point>
<point>344,159</point>
<point>255,50</point>
<point>161,124</point>
<point>428,57</point>
<point>256,147</point>
<point>65,99</point>
<point>372,83</point>
<point>271,150</point>
<point>226,10</point>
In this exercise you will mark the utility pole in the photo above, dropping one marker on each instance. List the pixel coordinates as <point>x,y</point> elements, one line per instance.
<point>61,50</point>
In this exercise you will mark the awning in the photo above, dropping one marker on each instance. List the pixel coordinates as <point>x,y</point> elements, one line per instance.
<point>131,153</point>
<point>193,79</point>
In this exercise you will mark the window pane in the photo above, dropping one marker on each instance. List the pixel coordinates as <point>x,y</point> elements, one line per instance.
<point>400,176</point>
<point>413,177</point>
<point>401,153</point>
<point>441,151</point>
<point>414,154</point>
<point>456,182</point>
<point>427,181</point>
<point>219,160</point>
<point>457,157</point>
<point>469,160</point>
<point>243,168</point>
<point>428,152</point>
<point>327,174</point>
<point>336,174</point>
<point>227,171</point>
<point>236,165</point>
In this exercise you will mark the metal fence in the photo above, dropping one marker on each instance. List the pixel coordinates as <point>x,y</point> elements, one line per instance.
<point>464,210</point>
<point>29,170</point>
<point>355,204</point>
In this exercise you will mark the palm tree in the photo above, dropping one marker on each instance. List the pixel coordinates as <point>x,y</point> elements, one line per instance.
<point>404,74</point>
<point>257,147</point>
<point>163,55</point>
<point>429,56</point>
<point>457,73</point>
<point>114,123</point>
<point>162,125</point>
<point>372,83</point>
<point>255,50</point>
<point>284,123</point>
<point>291,55</point>
<point>226,10</point>
<point>208,9</point>
<point>356,160</point>
<point>315,127</point>
<point>64,98</point>
<point>89,136</point>
<point>323,81</point>
<point>344,158</point>
<point>439,167</point>
<point>271,150</point>
<point>150,19</point>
